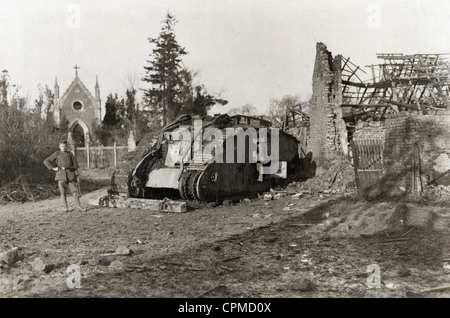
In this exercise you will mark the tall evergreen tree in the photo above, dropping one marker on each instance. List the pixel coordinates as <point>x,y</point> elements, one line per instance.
<point>194,97</point>
<point>163,73</point>
<point>112,108</point>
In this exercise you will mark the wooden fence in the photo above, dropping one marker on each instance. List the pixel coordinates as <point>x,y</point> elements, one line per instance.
<point>368,161</point>
<point>99,157</point>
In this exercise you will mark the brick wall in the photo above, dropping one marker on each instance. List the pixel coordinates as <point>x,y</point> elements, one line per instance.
<point>370,130</point>
<point>417,148</point>
<point>328,133</point>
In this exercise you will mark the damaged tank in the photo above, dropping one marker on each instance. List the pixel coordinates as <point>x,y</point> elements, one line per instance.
<point>213,158</point>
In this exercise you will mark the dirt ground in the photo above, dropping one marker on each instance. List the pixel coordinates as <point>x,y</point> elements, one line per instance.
<point>316,246</point>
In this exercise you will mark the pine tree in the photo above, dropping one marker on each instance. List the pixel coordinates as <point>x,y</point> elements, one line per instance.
<point>163,73</point>
<point>194,97</point>
<point>112,107</point>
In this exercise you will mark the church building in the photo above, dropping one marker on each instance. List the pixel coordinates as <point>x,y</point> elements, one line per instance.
<point>80,108</point>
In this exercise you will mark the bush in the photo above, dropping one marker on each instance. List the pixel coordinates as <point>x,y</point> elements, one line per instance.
<point>26,140</point>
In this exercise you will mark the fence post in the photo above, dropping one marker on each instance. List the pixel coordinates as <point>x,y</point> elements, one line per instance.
<point>115,155</point>
<point>356,158</point>
<point>87,155</point>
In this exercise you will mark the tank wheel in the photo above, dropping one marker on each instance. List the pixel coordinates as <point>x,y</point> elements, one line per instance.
<point>192,185</point>
<point>200,188</point>
<point>182,185</point>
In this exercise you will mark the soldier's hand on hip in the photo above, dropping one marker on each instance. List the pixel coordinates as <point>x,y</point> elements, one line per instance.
<point>55,169</point>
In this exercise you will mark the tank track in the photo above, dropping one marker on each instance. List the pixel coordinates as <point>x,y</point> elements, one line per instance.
<point>182,187</point>
<point>188,185</point>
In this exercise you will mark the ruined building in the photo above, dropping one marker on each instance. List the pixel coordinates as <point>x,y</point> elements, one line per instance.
<point>395,126</point>
<point>328,133</point>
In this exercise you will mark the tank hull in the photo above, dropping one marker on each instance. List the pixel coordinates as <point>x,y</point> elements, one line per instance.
<point>178,170</point>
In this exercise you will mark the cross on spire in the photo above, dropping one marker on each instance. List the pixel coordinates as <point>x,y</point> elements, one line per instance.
<point>76,70</point>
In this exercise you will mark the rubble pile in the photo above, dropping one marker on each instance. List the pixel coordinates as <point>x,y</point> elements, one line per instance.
<point>367,218</point>
<point>129,161</point>
<point>340,178</point>
<point>439,193</point>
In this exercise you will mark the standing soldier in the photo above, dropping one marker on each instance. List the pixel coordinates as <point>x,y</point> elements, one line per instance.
<point>65,165</point>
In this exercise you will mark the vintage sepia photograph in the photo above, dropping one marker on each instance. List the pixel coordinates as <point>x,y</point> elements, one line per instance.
<point>224,154</point>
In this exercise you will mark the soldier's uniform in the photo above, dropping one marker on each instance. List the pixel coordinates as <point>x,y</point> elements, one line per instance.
<point>66,175</point>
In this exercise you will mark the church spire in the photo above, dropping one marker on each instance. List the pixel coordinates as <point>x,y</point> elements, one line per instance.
<point>56,88</point>
<point>97,97</point>
<point>97,88</point>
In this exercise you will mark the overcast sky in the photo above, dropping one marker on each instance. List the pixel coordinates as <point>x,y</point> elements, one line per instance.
<point>248,51</point>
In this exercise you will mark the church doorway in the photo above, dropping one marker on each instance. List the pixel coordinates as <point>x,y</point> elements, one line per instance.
<point>78,136</point>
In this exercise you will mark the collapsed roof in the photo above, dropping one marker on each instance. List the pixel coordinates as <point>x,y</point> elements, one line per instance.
<point>417,82</point>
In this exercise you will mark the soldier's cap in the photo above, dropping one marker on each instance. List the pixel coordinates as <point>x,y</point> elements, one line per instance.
<point>63,142</point>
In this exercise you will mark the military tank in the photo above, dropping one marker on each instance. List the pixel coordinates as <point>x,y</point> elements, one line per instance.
<point>213,158</point>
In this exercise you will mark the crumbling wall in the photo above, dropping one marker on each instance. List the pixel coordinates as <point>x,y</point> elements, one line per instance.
<point>369,130</point>
<point>417,149</point>
<point>301,132</point>
<point>328,133</point>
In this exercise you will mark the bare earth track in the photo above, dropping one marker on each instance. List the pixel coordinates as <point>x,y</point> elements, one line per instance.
<point>257,249</point>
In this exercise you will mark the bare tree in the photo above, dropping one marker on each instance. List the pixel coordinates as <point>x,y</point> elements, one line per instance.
<point>279,109</point>
<point>247,109</point>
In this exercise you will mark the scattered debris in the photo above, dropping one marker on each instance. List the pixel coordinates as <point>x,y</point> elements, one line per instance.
<point>138,268</point>
<point>439,193</point>
<point>210,290</point>
<point>296,196</point>
<point>436,289</point>
<point>304,260</point>
<point>396,240</point>
<point>391,285</point>
<point>227,202</point>
<point>229,259</point>
<point>10,256</point>
<point>165,205</point>
<point>39,266</point>
<point>49,268</point>
<point>271,239</point>
<point>404,273</point>
<point>20,190</point>
<point>195,269</point>
<point>302,284</point>
<point>122,250</point>
<point>116,264</point>
<point>104,261</point>
<point>342,228</point>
